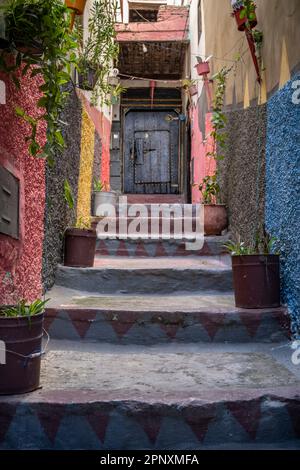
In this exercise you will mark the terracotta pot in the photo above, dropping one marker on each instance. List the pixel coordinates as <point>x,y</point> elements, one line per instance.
<point>80,248</point>
<point>215,219</point>
<point>100,199</point>
<point>77,5</point>
<point>256,280</point>
<point>22,337</point>
<point>203,68</point>
<point>193,90</point>
<point>241,22</point>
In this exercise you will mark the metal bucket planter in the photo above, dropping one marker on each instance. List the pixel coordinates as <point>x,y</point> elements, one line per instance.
<point>100,200</point>
<point>80,245</point>
<point>23,343</point>
<point>256,280</point>
<point>242,22</point>
<point>215,219</point>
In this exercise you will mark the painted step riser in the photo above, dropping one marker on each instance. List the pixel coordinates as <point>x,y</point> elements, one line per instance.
<point>151,328</point>
<point>132,425</point>
<point>155,248</point>
<point>143,281</point>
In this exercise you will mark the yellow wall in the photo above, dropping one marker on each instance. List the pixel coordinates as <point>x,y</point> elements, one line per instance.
<point>86,169</point>
<point>279,20</point>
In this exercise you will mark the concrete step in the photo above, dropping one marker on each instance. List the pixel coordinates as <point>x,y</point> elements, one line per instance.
<point>124,398</point>
<point>144,247</point>
<point>150,276</point>
<point>150,320</point>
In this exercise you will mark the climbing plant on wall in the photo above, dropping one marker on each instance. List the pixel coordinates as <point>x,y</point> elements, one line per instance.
<point>99,50</point>
<point>40,44</point>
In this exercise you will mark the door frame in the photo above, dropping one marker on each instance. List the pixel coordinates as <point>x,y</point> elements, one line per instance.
<point>164,108</point>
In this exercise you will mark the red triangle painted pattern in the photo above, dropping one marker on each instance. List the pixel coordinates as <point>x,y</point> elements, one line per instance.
<point>248,415</point>
<point>50,421</point>
<point>82,320</point>
<point>118,324</point>
<point>99,421</point>
<point>199,419</point>
<point>151,424</point>
<point>251,321</point>
<point>211,323</point>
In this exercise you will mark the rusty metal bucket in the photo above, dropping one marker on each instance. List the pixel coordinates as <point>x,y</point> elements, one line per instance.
<point>256,280</point>
<point>23,344</point>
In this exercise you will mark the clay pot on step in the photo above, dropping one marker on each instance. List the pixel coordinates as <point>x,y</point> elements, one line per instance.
<point>80,246</point>
<point>22,337</point>
<point>256,280</point>
<point>215,219</point>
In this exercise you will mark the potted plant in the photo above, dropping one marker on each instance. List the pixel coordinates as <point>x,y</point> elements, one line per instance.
<point>244,12</point>
<point>190,86</point>
<point>256,273</point>
<point>98,51</point>
<point>77,5</point>
<point>101,197</point>
<point>21,332</point>
<point>202,68</point>
<point>215,214</point>
<point>79,240</point>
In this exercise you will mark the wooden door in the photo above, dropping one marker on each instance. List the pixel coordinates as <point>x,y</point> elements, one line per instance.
<point>151,152</point>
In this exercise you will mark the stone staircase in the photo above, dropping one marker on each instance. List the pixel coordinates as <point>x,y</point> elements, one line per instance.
<point>148,351</point>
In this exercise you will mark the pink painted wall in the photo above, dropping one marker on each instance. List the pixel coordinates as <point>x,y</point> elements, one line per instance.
<point>103,127</point>
<point>21,260</point>
<point>200,146</point>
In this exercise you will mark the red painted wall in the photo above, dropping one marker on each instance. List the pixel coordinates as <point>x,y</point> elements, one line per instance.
<point>200,146</point>
<point>21,260</point>
<point>103,127</point>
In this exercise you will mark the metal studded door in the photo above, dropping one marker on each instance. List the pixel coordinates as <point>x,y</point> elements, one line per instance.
<point>151,146</point>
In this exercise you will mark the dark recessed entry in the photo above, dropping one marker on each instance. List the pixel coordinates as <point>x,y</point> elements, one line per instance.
<point>9,203</point>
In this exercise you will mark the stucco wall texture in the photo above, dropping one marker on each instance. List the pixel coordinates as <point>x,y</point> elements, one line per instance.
<point>21,260</point>
<point>242,172</point>
<point>283,190</point>
<point>57,214</point>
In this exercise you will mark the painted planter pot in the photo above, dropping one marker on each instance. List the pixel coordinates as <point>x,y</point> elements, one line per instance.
<point>22,337</point>
<point>241,22</point>
<point>215,219</point>
<point>193,90</point>
<point>80,246</point>
<point>202,68</point>
<point>77,5</point>
<point>87,80</point>
<point>101,199</point>
<point>256,280</point>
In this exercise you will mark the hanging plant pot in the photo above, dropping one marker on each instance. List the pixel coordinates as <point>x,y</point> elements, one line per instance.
<point>25,43</point>
<point>76,5</point>
<point>242,22</point>
<point>256,280</point>
<point>87,78</point>
<point>80,245</point>
<point>22,336</point>
<point>215,219</point>
<point>202,68</point>
<point>193,90</point>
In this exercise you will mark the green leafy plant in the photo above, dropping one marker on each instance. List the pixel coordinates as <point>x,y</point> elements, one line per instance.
<point>210,189</point>
<point>219,119</point>
<point>99,50</point>
<point>24,309</point>
<point>41,25</point>
<point>263,244</point>
<point>99,186</point>
<point>80,223</point>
